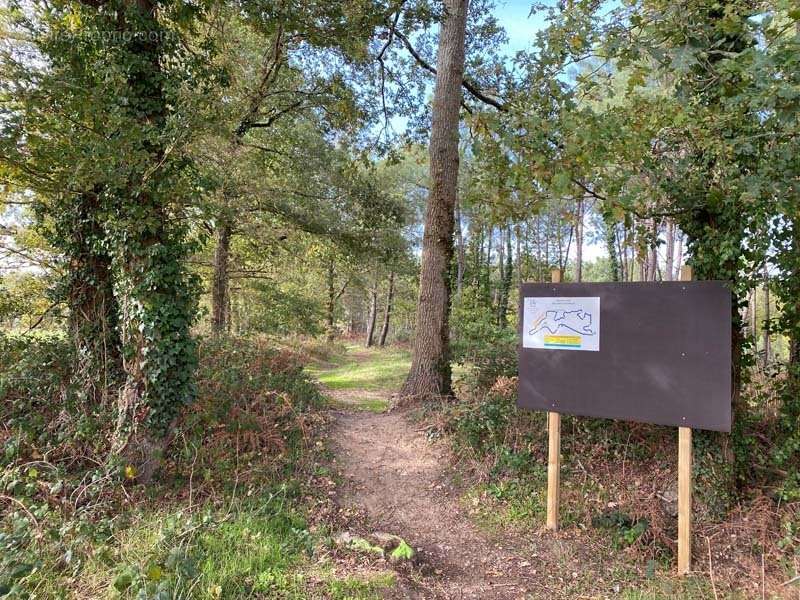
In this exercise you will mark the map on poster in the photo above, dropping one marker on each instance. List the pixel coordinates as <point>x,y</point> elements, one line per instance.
<point>557,323</point>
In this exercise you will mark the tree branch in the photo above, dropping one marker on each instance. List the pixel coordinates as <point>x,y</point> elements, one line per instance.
<point>468,85</point>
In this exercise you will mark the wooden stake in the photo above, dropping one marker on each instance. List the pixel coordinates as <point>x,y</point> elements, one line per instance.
<point>685,483</point>
<point>684,500</point>
<point>553,452</point>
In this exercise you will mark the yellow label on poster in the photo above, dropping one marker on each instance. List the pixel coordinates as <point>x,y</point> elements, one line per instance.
<point>562,340</point>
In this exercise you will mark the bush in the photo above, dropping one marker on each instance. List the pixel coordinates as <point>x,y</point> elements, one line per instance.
<point>482,422</point>
<point>62,508</point>
<point>34,386</point>
<point>252,399</point>
<point>479,342</point>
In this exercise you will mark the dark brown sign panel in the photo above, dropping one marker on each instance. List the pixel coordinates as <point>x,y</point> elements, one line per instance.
<point>650,352</point>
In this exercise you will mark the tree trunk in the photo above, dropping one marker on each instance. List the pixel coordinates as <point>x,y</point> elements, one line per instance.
<point>753,310</point>
<point>539,248</point>
<point>158,304</point>
<point>501,268</point>
<point>93,309</point>
<point>220,278</point>
<point>388,312</point>
<point>669,266</point>
<point>518,234</point>
<point>579,240</point>
<point>794,302</point>
<point>430,373</point>
<point>652,268</point>
<point>460,258</point>
<point>331,308</point>
<point>611,248</point>
<point>678,255</point>
<point>505,283</point>
<point>373,312</point>
<point>767,317</point>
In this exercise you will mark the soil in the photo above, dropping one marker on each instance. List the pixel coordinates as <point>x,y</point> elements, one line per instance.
<point>394,480</point>
<point>398,480</point>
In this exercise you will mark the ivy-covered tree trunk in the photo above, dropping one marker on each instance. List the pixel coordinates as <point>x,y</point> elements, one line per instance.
<point>713,221</point>
<point>158,301</point>
<point>787,291</point>
<point>792,306</point>
<point>430,374</point>
<point>767,319</point>
<point>220,278</point>
<point>611,248</point>
<point>579,240</point>
<point>387,315</point>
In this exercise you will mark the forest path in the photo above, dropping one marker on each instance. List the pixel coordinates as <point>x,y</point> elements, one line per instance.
<point>399,481</point>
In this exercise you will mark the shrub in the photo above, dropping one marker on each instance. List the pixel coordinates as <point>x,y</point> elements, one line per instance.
<point>252,398</point>
<point>34,386</point>
<point>60,510</point>
<point>482,422</point>
<point>479,342</point>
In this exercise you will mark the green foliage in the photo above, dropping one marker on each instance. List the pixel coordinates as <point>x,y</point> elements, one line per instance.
<point>482,423</point>
<point>402,552</point>
<point>280,312</point>
<point>490,350</point>
<point>625,529</point>
<point>23,298</point>
<point>35,378</point>
<point>251,396</point>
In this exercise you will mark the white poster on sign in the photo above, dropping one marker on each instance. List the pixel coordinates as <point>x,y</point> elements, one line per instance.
<point>555,323</point>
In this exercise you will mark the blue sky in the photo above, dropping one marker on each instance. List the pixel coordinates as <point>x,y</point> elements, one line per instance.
<point>521,28</point>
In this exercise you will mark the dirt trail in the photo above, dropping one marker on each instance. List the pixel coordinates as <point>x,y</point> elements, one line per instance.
<point>398,479</point>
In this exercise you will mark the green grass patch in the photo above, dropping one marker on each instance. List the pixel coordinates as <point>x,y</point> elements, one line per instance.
<point>667,588</point>
<point>357,588</point>
<point>506,504</point>
<point>257,549</point>
<point>371,369</point>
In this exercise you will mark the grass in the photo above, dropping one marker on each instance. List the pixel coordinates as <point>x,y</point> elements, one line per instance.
<point>240,536</point>
<point>374,405</point>
<point>504,505</point>
<point>363,378</point>
<point>369,369</point>
<point>357,588</point>
<point>258,548</point>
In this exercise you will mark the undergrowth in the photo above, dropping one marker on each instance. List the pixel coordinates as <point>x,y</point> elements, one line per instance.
<point>225,517</point>
<point>618,491</point>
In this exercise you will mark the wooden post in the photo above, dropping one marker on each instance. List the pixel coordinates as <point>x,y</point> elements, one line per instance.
<point>553,452</point>
<point>685,483</point>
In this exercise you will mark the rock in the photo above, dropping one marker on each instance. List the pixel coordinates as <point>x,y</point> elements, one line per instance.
<point>362,545</point>
<point>669,499</point>
<point>395,547</point>
<point>379,543</point>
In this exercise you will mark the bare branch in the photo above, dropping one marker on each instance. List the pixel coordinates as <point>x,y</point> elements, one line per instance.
<point>468,85</point>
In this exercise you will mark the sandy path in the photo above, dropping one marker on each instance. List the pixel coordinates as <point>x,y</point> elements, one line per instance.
<point>397,478</point>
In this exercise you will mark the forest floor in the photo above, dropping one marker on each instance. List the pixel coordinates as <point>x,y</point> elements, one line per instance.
<point>398,484</point>
<point>472,539</point>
